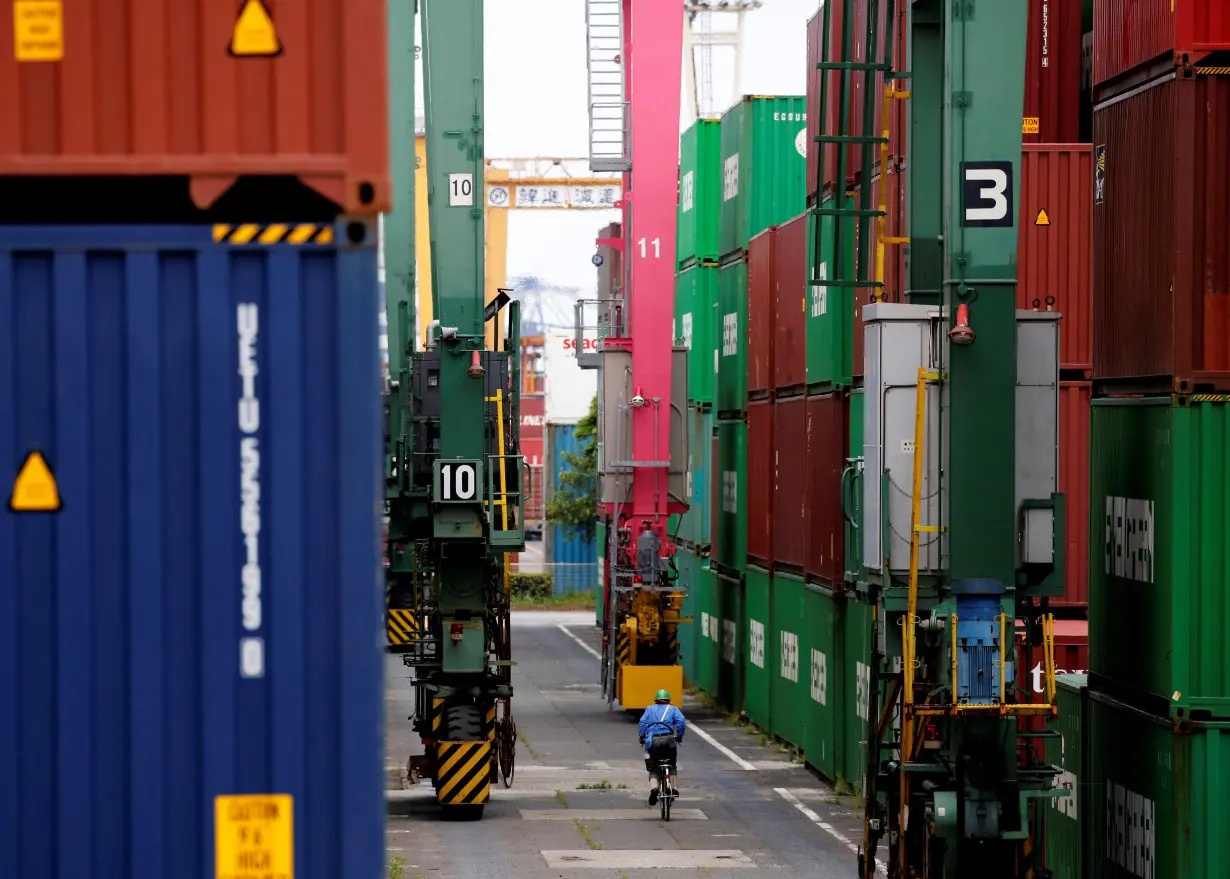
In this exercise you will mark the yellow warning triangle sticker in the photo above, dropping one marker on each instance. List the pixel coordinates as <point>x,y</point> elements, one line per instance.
<point>1043,219</point>
<point>255,35</point>
<point>35,490</point>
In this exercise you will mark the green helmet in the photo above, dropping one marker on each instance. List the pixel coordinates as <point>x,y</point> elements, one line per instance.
<point>662,696</point>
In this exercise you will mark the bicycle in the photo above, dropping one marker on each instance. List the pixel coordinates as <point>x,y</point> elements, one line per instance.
<point>666,789</point>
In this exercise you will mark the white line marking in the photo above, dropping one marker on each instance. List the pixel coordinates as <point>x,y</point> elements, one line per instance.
<point>823,825</point>
<point>639,814</point>
<point>591,651</point>
<point>615,859</point>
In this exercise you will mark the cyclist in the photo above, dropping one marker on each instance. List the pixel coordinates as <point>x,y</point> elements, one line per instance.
<point>661,730</point>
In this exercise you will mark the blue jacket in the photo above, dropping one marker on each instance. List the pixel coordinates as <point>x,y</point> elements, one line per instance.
<point>660,719</point>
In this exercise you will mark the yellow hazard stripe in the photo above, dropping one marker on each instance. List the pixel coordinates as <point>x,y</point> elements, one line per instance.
<point>1213,71</point>
<point>1209,398</point>
<point>273,233</point>
<point>437,713</point>
<point>491,724</point>
<point>462,773</point>
<point>401,625</point>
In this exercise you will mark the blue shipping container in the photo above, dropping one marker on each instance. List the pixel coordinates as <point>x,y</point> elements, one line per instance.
<point>203,616</point>
<point>573,557</point>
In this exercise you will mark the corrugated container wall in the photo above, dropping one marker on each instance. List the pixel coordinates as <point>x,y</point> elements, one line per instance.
<point>1071,656</point>
<point>1074,401</point>
<point>1161,282</point>
<point>694,524</point>
<point>1066,816</point>
<point>148,87</point>
<point>572,556</point>
<point>827,437</point>
<point>696,296</point>
<point>700,192</point>
<point>790,307</point>
<point>1052,72</point>
<point>123,615</point>
<point>731,362</point>
<point>892,270</point>
<point>764,157</point>
<point>760,482</point>
<point>730,495</point>
<point>761,266</point>
<point>1159,584</point>
<point>814,80</point>
<point>1131,33</point>
<point>789,462</point>
<point>1055,244</point>
<point>829,321</point>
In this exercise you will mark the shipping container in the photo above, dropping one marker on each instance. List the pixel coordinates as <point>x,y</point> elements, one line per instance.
<point>788,471</point>
<point>730,495</point>
<point>1071,657</point>
<point>1130,34</point>
<point>1159,586</point>
<point>143,677</point>
<point>789,331</point>
<point>1066,816</point>
<point>757,653</point>
<point>855,651</point>
<point>828,432</point>
<point>727,623</point>
<point>760,481</point>
<point>764,158</point>
<point>696,298</point>
<point>689,567</point>
<point>819,662</point>
<point>761,281</point>
<point>533,409</point>
<point>1074,400</point>
<point>829,313</point>
<point>571,553</point>
<point>815,77</point>
<point>708,644</point>
<point>700,192</point>
<point>694,524</point>
<point>600,596</point>
<point>1052,72</point>
<point>1155,797</point>
<point>852,491</point>
<point>143,87</point>
<point>730,361</point>
<point>789,710</point>
<point>1161,306</point>
<point>1055,244</point>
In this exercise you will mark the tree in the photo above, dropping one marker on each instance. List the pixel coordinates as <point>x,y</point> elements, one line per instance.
<point>575,504</point>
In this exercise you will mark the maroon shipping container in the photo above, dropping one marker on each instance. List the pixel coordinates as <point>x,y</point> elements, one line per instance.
<point>1132,33</point>
<point>760,484</point>
<point>1161,223</point>
<point>760,265</point>
<point>789,461</point>
<point>148,87</point>
<point>1052,72</point>
<point>813,98</point>
<point>1055,244</point>
<point>790,298</point>
<point>828,440</point>
<point>894,259</point>
<point>1071,657</point>
<point>1074,400</point>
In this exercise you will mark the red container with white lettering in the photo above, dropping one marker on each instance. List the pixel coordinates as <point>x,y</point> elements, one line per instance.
<point>1071,657</point>
<point>533,408</point>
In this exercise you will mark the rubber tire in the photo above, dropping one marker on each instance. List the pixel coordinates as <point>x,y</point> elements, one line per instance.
<point>463,723</point>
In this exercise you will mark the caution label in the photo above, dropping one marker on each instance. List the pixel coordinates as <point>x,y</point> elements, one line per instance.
<point>1042,219</point>
<point>35,489</point>
<point>255,35</point>
<point>254,836</point>
<point>38,30</point>
<point>1030,125</point>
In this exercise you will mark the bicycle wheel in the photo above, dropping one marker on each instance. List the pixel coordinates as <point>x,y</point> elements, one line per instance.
<point>664,795</point>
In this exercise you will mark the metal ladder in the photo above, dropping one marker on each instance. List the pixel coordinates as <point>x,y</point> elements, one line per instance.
<point>842,209</point>
<point>608,104</point>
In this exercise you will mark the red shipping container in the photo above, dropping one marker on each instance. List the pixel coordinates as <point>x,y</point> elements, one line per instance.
<point>1055,244</point>
<point>1074,399</point>
<point>760,481</point>
<point>828,440</point>
<point>148,87</point>
<point>1132,33</point>
<point>789,304</point>
<point>814,75</point>
<point>760,290</point>
<point>1071,657</point>
<point>894,259</point>
<point>1052,72</point>
<point>1161,222</point>
<point>789,482</point>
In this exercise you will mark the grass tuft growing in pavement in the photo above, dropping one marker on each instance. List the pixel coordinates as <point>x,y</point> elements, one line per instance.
<point>527,744</point>
<point>561,799</point>
<point>397,867</point>
<point>585,834</point>
<point>600,785</point>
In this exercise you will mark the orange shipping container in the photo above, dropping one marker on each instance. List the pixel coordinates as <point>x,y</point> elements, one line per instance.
<point>149,87</point>
<point>1074,400</point>
<point>1055,244</point>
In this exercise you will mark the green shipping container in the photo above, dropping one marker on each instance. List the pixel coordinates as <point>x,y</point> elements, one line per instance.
<point>694,524</point>
<point>730,543</point>
<point>855,634</point>
<point>709,636</point>
<point>696,301</point>
<point>852,492</point>
<point>1067,816</point>
<point>1159,583</point>
<point>830,312</point>
<point>758,653</point>
<point>730,360</point>
<point>600,541</point>
<point>819,662</point>
<point>700,192</point>
<point>1155,798</point>
<point>764,167</point>
<point>689,566</point>
<point>728,611</point>
<point>789,707</point>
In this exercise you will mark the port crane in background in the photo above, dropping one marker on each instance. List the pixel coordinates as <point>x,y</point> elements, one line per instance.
<point>699,40</point>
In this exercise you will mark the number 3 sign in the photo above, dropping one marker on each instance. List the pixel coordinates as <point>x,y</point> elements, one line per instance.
<point>986,194</point>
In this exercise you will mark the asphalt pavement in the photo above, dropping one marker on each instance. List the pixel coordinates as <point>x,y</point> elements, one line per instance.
<point>578,806</point>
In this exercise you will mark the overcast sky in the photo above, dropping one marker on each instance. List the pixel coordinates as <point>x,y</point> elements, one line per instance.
<point>536,106</point>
